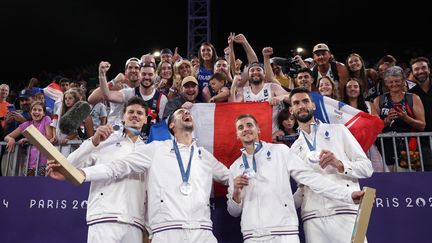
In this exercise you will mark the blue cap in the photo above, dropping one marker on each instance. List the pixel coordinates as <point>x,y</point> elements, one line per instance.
<point>166,51</point>
<point>25,93</point>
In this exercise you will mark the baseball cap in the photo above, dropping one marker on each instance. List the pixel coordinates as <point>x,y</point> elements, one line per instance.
<point>166,51</point>
<point>25,93</point>
<point>133,59</point>
<point>320,47</point>
<point>189,79</point>
<point>309,59</point>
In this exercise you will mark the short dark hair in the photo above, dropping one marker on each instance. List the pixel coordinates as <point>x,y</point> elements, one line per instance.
<point>136,101</point>
<point>170,120</point>
<point>219,77</point>
<point>305,70</point>
<point>299,90</point>
<point>246,116</point>
<point>419,59</point>
<point>64,80</point>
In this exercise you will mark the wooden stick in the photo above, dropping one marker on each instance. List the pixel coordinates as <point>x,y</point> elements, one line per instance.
<point>39,140</point>
<point>363,215</point>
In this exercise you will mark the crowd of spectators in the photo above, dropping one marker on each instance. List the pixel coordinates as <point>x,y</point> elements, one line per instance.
<point>397,92</point>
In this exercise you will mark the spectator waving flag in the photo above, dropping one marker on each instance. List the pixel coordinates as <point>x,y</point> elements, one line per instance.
<point>364,127</point>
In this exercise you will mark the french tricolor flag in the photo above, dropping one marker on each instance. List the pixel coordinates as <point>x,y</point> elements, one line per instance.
<point>52,93</point>
<point>364,126</point>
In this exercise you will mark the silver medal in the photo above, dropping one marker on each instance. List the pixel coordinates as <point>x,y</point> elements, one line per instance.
<point>249,172</point>
<point>185,188</point>
<point>313,157</point>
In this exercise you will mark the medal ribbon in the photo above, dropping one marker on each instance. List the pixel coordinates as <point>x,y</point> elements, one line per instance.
<point>312,147</point>
<point>245,162</point>
<point>184,174</point>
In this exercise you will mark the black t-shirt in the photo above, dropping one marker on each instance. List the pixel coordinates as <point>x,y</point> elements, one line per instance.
<point>426,99</point>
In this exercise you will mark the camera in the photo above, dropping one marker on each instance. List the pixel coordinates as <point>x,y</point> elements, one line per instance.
<point>288,64</point>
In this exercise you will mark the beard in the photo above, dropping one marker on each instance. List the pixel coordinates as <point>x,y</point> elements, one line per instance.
<point>25,107</point>
<point>421,78</point>
<point>255,80</point>
<point>146,85</point>
<point>304,118</point>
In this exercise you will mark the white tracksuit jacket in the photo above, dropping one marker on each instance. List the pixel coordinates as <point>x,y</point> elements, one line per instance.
<point>267,204</point>
<point>168,208</point>
<point>338,139</point>
<point>114,200</point>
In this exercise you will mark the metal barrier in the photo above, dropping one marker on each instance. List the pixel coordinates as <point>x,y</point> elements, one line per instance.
<point>404,152</point>
<point>17,163</point>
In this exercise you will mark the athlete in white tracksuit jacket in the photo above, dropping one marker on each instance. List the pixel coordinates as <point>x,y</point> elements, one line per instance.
<point>175,214</point>
<point>341,160</point>
<point>116,208</point>
<point>265,201</point>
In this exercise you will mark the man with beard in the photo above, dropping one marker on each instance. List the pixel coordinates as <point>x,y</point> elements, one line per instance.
<point>421,70</point>
<point>332,151</point>
<point>16,117</point>
<point>180,176</point>
<point>327,66</point>
<point>155,100</point>
<point>261,177</point>
<point>256,90</point>
<point>130,79</point>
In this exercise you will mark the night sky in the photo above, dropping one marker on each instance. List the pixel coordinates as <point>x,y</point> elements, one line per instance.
<point>56,35</point>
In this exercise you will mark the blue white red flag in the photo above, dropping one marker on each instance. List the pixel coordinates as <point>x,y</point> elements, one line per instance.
<point>363,126</point>
<point>52,93</point>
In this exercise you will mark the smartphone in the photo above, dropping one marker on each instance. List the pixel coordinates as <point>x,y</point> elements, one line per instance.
<point>398,107</point>
<point>11,107</point>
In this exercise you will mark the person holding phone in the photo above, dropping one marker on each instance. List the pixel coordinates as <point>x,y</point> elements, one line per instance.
<point>401,112</point>
<point>15,117</point>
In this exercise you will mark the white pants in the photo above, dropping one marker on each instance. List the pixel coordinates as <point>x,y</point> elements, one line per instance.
<point>184,236</point>
<point>112,232</point>
<point>331,229</point>
<point>275,239</point>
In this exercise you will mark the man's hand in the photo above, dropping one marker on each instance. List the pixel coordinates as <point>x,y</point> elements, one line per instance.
<point>267,52</point>
<point>53,168</point>
<point>103,68</point>
<point>101,134</point>
<point>239,182</point>
<point>327,158</point>
<point>357,196</point>
<point>17,117</point>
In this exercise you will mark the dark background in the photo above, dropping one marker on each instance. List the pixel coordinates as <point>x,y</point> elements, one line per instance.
<point>53,36</point>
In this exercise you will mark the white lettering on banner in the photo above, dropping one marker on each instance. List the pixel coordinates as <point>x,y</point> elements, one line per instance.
<point>57,204</point>
<point>5,203</point>
<point>407,202</point>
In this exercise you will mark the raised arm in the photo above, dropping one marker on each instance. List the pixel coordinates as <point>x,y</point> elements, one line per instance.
<point>232,60</point>
<point>250,53</point>
<point>113,96</point>
<point>269,75</point>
